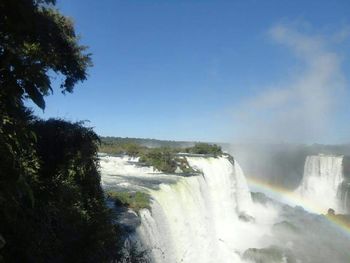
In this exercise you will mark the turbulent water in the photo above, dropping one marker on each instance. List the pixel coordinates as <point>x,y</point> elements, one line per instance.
<point>211,217</point>
<point>201,218</point>
<point>321,184</point>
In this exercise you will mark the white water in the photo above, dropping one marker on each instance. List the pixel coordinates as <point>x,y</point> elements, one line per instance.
<point>323,176</point>
<point>344,196</point>
<point>197,219</point>
<point>124,166</point>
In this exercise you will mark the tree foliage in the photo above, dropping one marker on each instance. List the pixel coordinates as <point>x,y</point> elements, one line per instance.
<point>163,159</point>
<point>35,40</point>
<point>69,213</point>
<point>205,148</point>
<point>51,203</point>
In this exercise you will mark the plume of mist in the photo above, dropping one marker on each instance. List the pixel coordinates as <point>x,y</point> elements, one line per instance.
<point>302,108</point>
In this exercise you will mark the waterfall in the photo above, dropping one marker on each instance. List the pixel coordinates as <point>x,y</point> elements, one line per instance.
<point>199,219</point>
<point>344,196</point>
<point>208,215</point>
<point>321,183</point>
<point>204,217</point>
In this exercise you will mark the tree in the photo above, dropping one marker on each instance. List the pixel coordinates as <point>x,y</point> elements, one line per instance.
<point>36,40</point>
<point>205,148</point>
<point>51,203</point>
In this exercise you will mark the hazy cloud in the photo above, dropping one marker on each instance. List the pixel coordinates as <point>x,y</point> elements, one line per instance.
<point>301,108</point>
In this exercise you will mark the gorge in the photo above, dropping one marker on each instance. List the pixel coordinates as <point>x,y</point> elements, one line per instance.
<point>211,215</point>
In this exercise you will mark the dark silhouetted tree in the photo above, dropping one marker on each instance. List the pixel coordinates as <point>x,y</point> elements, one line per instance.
<point>36,41</point>
<point>51,203</point>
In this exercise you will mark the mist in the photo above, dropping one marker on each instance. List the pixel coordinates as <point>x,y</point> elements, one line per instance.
<point>303,106</point>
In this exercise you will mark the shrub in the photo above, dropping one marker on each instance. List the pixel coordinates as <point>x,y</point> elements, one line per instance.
<point>205,148</point>
<point>134,200</point>
<point>162,159</point>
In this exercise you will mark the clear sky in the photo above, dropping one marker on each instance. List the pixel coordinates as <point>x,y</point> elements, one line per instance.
<point>212,70</point>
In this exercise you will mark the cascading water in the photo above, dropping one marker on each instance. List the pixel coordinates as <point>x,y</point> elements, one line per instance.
<point>321,183</point>
<point>209,216</point>
<point>344,196</point>
<point>201,218</point>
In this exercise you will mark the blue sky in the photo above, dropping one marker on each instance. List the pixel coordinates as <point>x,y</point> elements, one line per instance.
<point>203,70</point>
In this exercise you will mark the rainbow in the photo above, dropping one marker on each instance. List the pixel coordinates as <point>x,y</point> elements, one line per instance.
<point>290,198</point>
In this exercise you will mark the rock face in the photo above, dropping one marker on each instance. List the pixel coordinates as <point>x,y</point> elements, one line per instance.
<point>344,196</point>
<point>246,218</point>
<point>330,212</point>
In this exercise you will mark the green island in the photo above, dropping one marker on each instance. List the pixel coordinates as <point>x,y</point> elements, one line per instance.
<point>163,158</point>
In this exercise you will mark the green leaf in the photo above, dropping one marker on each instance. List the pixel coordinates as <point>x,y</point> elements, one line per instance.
<point>35,95</point>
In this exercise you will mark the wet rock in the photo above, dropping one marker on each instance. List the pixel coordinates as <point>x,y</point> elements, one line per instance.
<point>271,254</point>
<point>246,218</point>
<point>330,212</point>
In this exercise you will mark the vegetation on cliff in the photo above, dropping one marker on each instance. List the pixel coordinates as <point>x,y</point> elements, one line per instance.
<point>163,159</point>
<point>166,159</point>
<point>134,200</point>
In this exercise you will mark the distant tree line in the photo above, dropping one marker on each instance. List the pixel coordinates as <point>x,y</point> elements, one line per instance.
<point>150,143</point>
